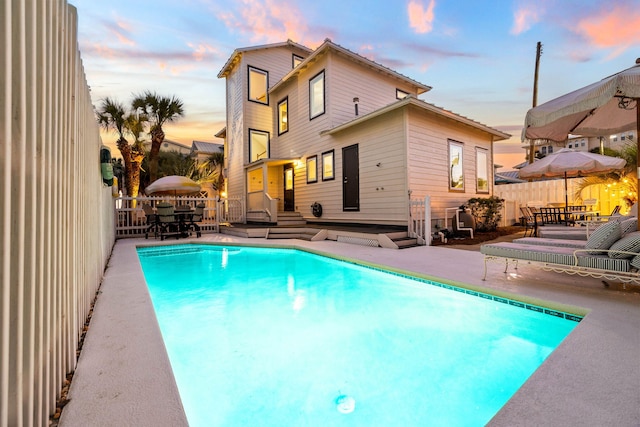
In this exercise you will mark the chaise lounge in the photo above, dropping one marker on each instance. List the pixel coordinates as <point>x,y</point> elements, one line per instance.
<point>611,252</point>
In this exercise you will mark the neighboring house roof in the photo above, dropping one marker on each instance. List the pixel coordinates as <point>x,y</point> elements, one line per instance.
<point>168,145</point>
<point>237,54</point>
<point>201,147</point>
<point>411,100</point>
<point>509,177</point>
<point>329,45</point>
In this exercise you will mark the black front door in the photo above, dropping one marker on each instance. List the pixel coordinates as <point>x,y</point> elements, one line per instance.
<point>289,202</point>
<point>350,179</point>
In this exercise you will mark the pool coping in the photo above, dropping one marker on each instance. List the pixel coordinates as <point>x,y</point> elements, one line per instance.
<point>592,378</point>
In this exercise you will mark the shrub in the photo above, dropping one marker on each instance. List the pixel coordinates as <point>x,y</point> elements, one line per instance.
<point>486,211</point>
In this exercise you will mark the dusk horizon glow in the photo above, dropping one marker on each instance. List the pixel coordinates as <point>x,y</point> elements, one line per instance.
<point>479,58</point>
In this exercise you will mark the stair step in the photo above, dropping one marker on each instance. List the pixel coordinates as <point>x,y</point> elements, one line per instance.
<point>406,243</point>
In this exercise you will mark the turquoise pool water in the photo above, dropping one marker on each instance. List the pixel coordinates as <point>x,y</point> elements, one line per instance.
<point>280,337</point>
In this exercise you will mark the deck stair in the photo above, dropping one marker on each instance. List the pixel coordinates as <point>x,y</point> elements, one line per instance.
<point>301,233</point>
<point>290,218</point>
<point>402,240</point>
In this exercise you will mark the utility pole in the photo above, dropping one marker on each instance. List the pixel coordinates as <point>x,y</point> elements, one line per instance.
<point>532,148</point>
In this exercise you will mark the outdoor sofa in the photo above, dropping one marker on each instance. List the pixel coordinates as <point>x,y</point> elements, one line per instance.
<point>611,252</point>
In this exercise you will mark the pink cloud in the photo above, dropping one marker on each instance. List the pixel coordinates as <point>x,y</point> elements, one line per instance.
<point>421,17</point>
<point>201,50</point>
<point>616,28</point>
<point>524,18</point>
<point>270,21</point>
<point>121,30</point>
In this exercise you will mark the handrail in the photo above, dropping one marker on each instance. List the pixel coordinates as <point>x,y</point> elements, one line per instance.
<point>270,207</point>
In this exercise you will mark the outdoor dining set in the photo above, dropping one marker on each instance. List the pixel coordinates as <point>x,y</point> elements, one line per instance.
<point>167,220</point>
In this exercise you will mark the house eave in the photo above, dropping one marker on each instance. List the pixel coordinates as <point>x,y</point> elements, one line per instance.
<point>271,162</point>
<point>410,100</point>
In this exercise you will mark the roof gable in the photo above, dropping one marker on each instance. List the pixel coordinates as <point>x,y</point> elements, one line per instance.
<point>328,46</point>
<point>237,54</point>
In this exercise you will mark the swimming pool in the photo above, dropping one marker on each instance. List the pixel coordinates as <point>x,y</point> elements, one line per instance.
<point>267,336</point>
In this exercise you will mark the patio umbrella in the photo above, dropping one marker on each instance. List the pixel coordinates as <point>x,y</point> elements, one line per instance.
<point>173,185</point>
<point>568,163</point>
<point>604,108</point>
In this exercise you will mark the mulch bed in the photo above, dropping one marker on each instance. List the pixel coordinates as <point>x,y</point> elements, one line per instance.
<point>478,236</point>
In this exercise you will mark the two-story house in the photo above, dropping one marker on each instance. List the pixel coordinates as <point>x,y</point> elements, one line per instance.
<point>332,129</point>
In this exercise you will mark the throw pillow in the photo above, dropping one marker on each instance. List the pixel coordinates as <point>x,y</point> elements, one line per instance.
<point>603,237</point>
<point>628,225</point>
<point>629,243</point>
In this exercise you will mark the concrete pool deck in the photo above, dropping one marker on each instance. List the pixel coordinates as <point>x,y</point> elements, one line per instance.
<point>124,377</point>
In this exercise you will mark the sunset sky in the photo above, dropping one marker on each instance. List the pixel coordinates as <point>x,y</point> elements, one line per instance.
<point>478,56</point>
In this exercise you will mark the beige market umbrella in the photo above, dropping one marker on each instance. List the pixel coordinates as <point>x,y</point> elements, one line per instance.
<point>173,185</point>
<point>604,108</point>
<point>568,163</point>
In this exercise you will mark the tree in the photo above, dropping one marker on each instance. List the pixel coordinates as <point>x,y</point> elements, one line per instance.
<point>158,110</point>
<point>217,162</point>
<point>113,116</point>
<point>625,181</point>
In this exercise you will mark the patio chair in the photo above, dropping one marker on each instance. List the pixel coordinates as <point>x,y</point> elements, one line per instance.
<point>151,220</point>
<point>197,217</point>
<point>528,220</point>
<point>167,220</point>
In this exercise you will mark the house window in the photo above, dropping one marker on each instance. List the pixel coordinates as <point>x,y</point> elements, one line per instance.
<point>283,116</point>
<point>456,169</point>
<point>482,170</point>
<point>400,94</point>
<point>258,145</point>
<point>328,164</point>
<point>258,84</point>
<point>296,60</point>
<point>254,181</point>
<point>316,95</point>
<point>543,150</point>
<point>550,149</point>
<point>312,169</point>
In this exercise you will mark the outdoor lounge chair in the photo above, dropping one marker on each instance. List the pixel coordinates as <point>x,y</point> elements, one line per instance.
<point>606,254</point>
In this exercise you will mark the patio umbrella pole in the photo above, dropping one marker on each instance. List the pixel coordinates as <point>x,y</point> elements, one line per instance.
<point>566,193</point>
<point>638,150</point>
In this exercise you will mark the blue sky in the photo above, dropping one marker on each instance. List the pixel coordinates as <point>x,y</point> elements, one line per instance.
<point>477,55</point>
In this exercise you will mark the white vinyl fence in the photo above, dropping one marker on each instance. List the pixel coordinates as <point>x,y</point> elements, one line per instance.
<point>551,192</point>
<point>56,220</point>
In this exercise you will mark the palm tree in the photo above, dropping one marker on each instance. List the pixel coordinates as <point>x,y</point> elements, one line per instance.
<point>159,110</point>
<point>217,162</point>
<point>112,115</point>
<point>624,181</point>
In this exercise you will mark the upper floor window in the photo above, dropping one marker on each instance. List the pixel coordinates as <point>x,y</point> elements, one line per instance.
<point>400,94</point>
<point>283,116</point>
<point>296,60</point>
<point>482,170</point>
<point>258,85</point>
<point>316,95</point>
<point>258,145</point>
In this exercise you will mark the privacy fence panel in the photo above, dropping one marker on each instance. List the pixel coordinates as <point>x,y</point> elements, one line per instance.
<point>551,192</point>
<point>56,218</point>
